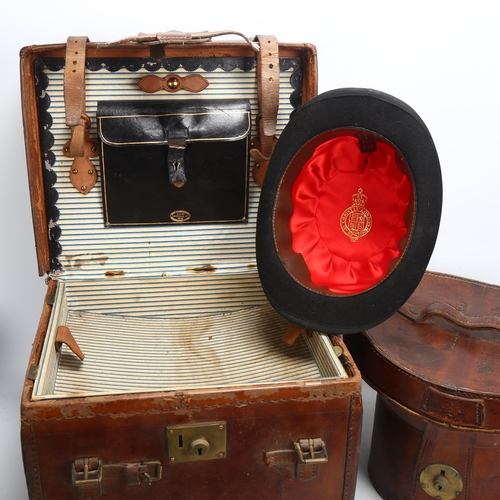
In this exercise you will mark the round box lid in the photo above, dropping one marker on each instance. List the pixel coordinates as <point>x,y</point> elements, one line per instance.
<point>349,211</point>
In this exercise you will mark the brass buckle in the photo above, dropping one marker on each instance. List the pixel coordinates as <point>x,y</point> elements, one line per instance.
<point>311,451</point>
<point>150,471</point>
<point>87,471</point>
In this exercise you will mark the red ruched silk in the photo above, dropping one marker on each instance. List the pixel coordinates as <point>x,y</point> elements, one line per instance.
<point>326,220</point>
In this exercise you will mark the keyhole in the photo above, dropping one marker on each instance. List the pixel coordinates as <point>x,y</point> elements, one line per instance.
<point>440,482</point>
<point>200,447</point>
<point>177,165</point>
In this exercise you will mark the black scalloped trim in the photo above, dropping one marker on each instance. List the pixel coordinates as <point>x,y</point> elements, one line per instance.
<point>48,160</point>
<point>207,64</point>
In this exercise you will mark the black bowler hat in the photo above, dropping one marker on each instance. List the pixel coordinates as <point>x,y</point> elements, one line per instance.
<point>349,211</point>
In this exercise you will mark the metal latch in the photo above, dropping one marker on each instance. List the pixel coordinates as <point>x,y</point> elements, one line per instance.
<point>441,481</point>
<point>194,442</point>
<point>311,451</point>
<point>91,471</point>
<point>33,372</point>
<point>150,471</point>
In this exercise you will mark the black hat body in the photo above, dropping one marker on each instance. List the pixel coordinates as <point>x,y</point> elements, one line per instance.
<point>349,211</point>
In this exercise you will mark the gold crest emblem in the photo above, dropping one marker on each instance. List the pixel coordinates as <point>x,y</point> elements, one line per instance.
<point>180,216</point>
<point>356,221</point>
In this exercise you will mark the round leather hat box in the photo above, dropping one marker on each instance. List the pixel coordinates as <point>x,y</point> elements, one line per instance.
<point>349,211</point>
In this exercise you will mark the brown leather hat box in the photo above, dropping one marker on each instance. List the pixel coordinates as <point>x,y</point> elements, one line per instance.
<point>435,365</point>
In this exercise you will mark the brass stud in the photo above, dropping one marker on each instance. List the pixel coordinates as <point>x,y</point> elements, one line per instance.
<point>84,188</point>
<point>90,171</point>
<point>173,83</point>
<point>94,149</point>
<point>75,171</point>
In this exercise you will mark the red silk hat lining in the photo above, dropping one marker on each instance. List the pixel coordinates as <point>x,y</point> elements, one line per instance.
<point>349,214</point>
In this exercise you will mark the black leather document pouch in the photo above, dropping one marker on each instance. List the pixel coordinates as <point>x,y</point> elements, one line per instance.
<point>174,161</point>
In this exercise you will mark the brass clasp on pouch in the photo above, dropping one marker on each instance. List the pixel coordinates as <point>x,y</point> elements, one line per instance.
<point>176,163</point>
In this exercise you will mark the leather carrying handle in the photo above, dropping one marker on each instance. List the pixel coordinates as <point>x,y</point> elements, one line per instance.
<point>419,314</point>
<point>176,37</point>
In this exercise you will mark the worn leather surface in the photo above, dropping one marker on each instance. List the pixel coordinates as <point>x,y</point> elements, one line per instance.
<point>435,366</point>
<point>445,365</point>
<point>404,444</point>
<point>131,429</point>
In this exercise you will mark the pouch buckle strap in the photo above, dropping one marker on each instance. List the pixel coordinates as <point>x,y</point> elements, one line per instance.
<point>176,141</point>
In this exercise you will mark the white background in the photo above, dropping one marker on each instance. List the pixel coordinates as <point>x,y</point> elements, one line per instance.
<point>440,57</point>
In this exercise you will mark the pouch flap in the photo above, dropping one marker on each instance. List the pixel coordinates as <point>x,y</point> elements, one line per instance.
<point>152,122</point>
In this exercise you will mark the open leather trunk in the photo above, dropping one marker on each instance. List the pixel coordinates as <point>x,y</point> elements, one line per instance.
<point>158,369</point>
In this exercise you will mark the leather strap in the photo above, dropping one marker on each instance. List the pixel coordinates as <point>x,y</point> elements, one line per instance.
<point>303,472</point>
<point>74,92</point>
<point>449,407</point>
<point>462,409</point>
<point>82,173</point>
<point>89,474</point>
<point>268,99</point>
<point>268,74</point>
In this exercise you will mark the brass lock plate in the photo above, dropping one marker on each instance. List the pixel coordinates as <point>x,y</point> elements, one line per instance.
<point>441,481</point>
<point>195,442</point>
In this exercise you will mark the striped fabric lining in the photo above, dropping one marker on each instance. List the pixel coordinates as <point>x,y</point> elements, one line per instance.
<point>174,333</point>
<point>89,249</point>
<point>126,328</point>
<point>134,354</point>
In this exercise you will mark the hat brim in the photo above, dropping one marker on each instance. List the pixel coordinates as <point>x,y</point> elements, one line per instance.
<point>288,280</point>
